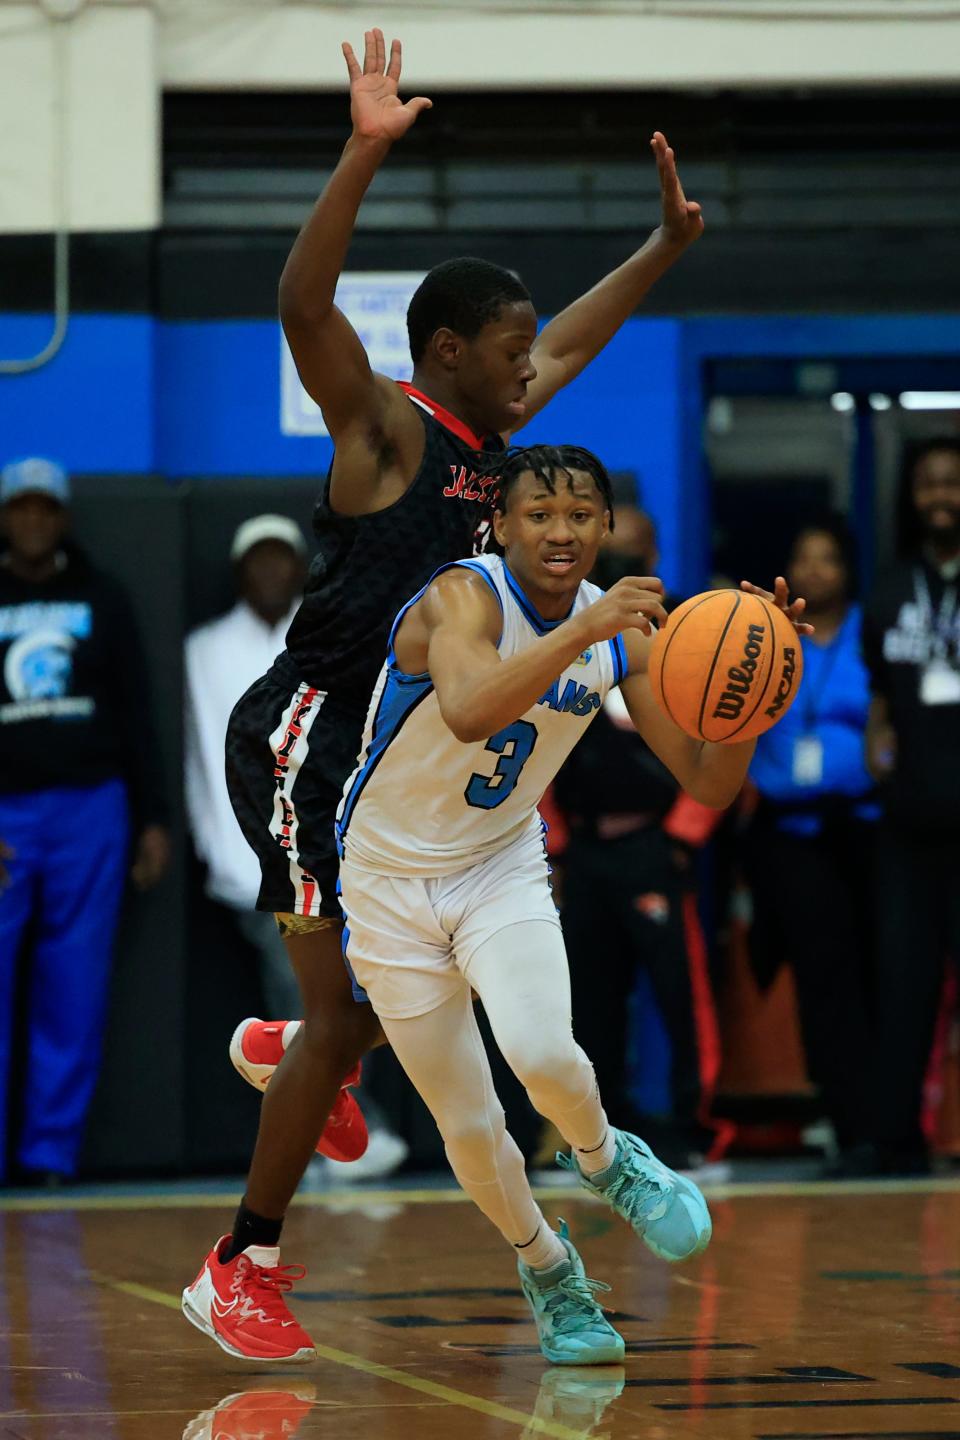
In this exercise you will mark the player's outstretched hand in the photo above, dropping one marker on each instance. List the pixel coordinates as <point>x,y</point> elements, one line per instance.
<point>781,598</point>
<point>682,221</point>
<point>631,604</point>
<point>375,108</point>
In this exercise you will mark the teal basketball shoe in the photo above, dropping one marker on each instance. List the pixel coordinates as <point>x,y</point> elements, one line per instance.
<point>571,1327</point>
<point>665,1209</point>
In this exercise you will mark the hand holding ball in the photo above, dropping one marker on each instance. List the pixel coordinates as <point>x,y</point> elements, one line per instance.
<point>726,666</point>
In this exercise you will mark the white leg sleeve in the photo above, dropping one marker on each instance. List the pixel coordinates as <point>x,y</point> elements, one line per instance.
<point>522,977</point>
<point>442,1053</point>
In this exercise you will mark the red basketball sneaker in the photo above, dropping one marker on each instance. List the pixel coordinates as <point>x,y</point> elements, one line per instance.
<point>254,1415</point>
<point>257,1046</point>
<point>256,1049</point>
<point>239,1303</point>
<point>345,1134</point>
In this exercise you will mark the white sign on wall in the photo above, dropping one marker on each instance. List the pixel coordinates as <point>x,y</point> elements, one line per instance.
<point>375,303</point>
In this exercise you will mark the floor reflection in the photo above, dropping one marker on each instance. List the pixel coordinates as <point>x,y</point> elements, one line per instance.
<point>577,1396</point>
<point>260,1414</point>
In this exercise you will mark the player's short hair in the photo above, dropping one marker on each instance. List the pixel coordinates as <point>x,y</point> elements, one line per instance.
<point>463,295</point>
<point>546,462</point>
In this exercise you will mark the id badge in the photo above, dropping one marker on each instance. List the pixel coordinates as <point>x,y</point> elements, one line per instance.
<point>940,684</point>
<point>807,760</point>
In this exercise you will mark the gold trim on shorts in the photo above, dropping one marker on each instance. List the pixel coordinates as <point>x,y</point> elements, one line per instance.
<point>289,924</point>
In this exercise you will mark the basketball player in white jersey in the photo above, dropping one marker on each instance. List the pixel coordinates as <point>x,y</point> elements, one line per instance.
<point>494,671</point>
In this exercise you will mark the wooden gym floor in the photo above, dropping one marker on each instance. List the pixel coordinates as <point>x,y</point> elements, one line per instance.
<point>818,1312</point>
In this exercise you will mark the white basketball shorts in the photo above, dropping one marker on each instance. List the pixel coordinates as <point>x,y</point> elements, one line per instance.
<point>408,940</point>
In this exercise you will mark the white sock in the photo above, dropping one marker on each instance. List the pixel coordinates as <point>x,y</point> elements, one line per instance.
<point>543,1251</point>
<point>289,1030</point>
<point>595,1158</point>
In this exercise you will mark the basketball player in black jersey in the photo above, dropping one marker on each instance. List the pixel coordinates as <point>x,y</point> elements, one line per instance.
<point>402,498</point>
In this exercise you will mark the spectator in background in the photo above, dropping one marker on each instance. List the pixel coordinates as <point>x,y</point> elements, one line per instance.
<point>912,649</point>
<point>810,850</point>
<point>624,889</point>
<point>78,763</point>
<point>221,660</point>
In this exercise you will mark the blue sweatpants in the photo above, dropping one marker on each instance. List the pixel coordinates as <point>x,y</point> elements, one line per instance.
<point>67,877</point>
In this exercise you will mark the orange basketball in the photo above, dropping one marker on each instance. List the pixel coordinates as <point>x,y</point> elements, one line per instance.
<point>726,666</point>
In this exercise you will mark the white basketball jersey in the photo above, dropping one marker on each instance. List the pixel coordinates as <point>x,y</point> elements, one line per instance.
<point>421,802</point>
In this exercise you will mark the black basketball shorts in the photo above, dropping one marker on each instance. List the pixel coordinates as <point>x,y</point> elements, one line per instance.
<point>289,753</point>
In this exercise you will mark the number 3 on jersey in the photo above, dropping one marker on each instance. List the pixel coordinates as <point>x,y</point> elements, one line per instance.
<point>514,745</point>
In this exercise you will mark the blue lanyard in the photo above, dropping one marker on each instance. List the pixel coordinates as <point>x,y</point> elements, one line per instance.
<point>812,697</point>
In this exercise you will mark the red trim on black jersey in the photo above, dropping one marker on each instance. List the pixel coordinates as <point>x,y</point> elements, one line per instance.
<point>458,428</point>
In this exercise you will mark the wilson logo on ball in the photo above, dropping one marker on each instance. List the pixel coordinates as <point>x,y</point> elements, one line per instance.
<point>740,677</point>
<point>726,666</point>
<point>786,683</point>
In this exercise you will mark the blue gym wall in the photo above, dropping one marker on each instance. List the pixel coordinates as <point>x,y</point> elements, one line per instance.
<point>200,398</point>
<point>131,394</point>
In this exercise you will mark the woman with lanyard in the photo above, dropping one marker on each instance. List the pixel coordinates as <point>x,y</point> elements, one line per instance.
<point>810,848</point>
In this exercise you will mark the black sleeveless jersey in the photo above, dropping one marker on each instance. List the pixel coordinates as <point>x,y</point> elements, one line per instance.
<point>369,566</point>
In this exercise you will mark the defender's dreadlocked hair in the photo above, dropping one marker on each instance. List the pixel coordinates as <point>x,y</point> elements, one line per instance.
<point>546,462</point>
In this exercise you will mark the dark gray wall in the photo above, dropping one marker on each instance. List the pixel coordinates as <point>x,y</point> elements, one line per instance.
<point>168,1100</point>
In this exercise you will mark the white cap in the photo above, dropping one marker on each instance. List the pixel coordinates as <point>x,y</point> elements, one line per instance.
<point>267,527</point>
<point>34,476</point>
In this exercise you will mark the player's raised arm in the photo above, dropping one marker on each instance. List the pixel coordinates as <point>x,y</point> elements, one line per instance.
<point>580,332</point>
<point>712,774</point>
<point>330,359</point>
<point>454,636</point>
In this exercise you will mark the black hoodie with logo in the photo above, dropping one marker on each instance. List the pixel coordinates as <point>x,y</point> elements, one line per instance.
<point>74,708</point>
